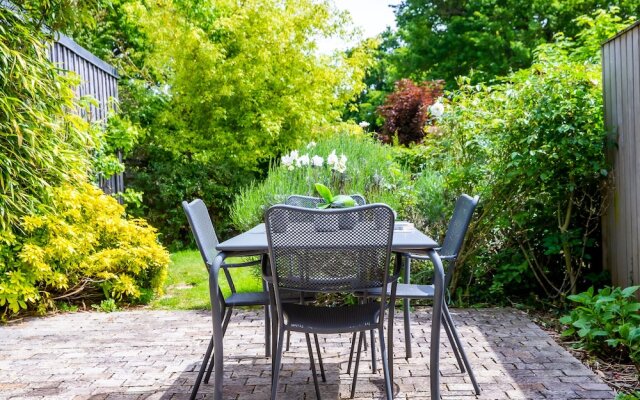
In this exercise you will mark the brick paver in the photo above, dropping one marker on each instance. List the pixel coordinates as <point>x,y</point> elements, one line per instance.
<point>155,355</point>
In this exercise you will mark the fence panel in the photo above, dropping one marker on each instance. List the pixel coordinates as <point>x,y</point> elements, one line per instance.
<point>621,223</point>
<point>99,80</point>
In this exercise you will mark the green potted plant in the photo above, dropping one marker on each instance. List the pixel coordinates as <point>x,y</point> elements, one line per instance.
<point>335,222</point>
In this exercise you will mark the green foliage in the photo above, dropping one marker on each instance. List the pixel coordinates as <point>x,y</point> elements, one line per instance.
<point>533,148</point>
<point>41,144</point>
<point>167,179</point>
<point>369,169</point>
<point>445,39</point>
<point>608,320</point>
<point>331,201</point>
<point>628,396</point>
<point>82,247</point>
<point>106,305</point>
<point>241,90</point>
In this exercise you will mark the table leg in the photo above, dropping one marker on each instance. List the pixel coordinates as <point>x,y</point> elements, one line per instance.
<point>406,276</point>
<point>438,301</point>
<point>216,317</point>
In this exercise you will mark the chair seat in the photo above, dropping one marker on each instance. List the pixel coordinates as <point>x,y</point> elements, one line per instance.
<point>353,318</point>
<point>408,291</point>
<point>258,298</point>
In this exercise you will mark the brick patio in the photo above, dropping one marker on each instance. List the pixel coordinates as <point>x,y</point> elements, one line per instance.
<point>155,355</point>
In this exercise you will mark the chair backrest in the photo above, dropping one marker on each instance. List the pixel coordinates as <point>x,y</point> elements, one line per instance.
<point>312,202</point>
<point>457,229</point>
<point>329,250</point>
<point>202,229</point>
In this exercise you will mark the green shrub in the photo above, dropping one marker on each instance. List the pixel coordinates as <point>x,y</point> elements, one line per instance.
<point>167,178</point>
<point>370,170</point>
<point>606,321</point>
<point>83,247</point>
<point>41,144</point>
<point>533,148</point>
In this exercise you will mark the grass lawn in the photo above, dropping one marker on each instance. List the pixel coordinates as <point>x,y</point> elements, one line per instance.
<point>187,286</point>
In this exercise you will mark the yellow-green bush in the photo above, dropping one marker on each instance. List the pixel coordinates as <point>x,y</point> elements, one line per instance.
<point>81,247</point>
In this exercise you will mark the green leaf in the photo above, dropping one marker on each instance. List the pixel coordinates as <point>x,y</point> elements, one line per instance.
<point>566,319</point>
<point>324,192</point>
<point>343,201</point>
<point>627,292</point>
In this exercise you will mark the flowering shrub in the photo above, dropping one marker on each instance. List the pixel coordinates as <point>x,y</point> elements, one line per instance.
<point>354,164</point>
<point>83,248</point>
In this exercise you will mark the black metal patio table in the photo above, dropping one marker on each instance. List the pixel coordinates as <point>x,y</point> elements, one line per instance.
<point>254,242</point>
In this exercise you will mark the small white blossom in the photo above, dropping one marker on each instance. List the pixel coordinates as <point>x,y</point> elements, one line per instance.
<point>317,161</point>
<point>364,124</point>
<point>287,161</point>
<point>302,160</point>
<point>341,165</point>
<point>436,110</point>
<point>294,155</point>
<point>332,159</point>
<point>311,145</point>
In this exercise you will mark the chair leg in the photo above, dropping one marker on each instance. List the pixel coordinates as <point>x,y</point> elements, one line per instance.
<point>453,343</point>
<point>313,366</point>
<point>353,346</point>
<point>203,367</point>
<point>406,308</point>
<point>386,355</point>
<point>225,324</point>
<point>267,332</point>
<point>324,378</point>
<point>390,340</point>
<point>275,366</point>
<point>454,332</point>
<point>374,366</point>
<point>355,369</point>
<point>288,339</point>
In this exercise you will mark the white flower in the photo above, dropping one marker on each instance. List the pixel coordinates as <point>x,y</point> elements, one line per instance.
<point>287,161</point>
<point>332,159</point>
<point>302,160</point>
<point>294,155</point>
<point>317,161</point>
<point>311,145</point>
<point>364,124</point>
<point>436,110</point>
<point>341,165</point>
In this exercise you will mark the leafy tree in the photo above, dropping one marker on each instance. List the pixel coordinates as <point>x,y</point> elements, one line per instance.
<point>483,39</point>
<point>219,92</point>
<point>379,81</point>
<point>241,90</point>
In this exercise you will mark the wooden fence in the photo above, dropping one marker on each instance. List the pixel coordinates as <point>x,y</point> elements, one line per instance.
<point>99,80</point>
<point>621,223</point>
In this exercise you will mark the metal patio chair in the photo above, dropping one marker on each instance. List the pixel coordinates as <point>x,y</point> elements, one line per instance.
<point>206,240</point>
<point>454,238</point>
<point>299,200</point>
<point>328,251</point>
